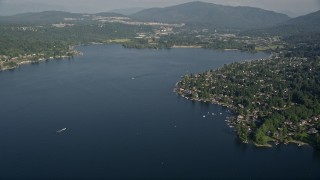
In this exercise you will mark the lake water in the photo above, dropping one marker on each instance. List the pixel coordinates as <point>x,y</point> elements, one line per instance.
<point>124,121</point>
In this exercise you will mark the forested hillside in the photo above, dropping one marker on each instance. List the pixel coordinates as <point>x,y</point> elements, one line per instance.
<point>212,15</point>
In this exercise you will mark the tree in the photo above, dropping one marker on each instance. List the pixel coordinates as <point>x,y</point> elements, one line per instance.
<point>260,137</point>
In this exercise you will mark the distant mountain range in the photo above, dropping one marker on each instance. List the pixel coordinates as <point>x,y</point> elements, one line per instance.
<point>39,17</point>
<point>198,14</point>
<point>218,16</point>
<point>47,17</point>
<point>8,8</point>
<point>127,11</point>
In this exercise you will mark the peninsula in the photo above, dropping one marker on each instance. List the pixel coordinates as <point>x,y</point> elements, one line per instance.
<point>273,99</point>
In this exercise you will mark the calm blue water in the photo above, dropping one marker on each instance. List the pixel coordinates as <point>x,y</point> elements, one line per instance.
<point>124,121</point>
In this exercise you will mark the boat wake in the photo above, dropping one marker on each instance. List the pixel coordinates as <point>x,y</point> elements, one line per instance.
<point>61,130</point>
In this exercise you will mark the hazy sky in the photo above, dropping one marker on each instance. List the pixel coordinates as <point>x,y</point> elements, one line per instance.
<point>297,7</point>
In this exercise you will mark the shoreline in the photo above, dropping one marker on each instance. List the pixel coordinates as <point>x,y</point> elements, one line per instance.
<point>40,60</point>
<point>77,53</point>
<point>231,49</point>
<point>300,143</point>
<point>232,118</point>
<point>32,62</point>
<point>191,46</point>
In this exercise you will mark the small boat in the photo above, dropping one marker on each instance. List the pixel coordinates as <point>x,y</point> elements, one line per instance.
<point>204,116</point>
<point>61,130</point>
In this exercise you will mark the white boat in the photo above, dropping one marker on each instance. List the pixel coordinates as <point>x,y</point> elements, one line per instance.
<point>61,130</point>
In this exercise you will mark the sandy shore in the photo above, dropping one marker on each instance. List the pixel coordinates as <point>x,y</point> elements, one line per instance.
<point>175,46</point>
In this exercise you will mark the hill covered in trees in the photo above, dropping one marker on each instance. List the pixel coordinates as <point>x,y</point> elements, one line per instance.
<point>217,16</point>
<point>306,25</point>
<point>309,23</point>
